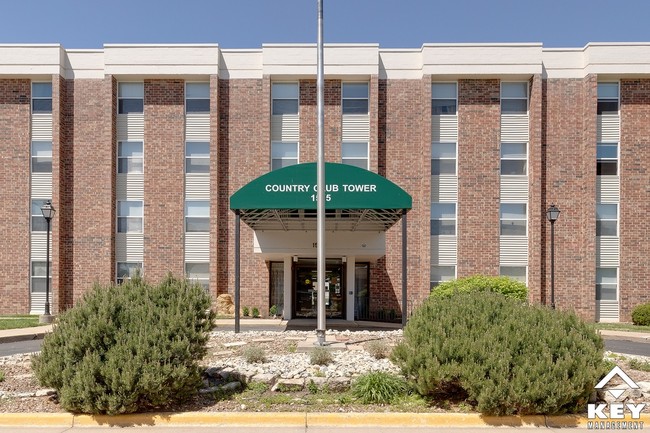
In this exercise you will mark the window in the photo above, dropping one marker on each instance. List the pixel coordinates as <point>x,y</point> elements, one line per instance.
<point>513,159</point>
<point>197,157</point>
<point>285,97</point>
<point>443,99</point>
<point>283,154</point>
<point>513,219</point>
<point>606,219</point>
<point>355,154</point>
<point>607,159</point>
<point>197,216</point>
<point>129,157</point>
<point>443,219</point>
<point>130,98</point>
<point>606,284</point>
<point>197,97</point>
<point>127,270</point>
<point>41,97</point>
<point>440,274</point>
<point>199,273</point>
<point>39,224</point>
<point>38,277</point>
<point>355,98</point>
<point>607,98</point>
<point>514,98</point>
<point>443,158</point>
<point>517,273</point>
<point>129,216</point>
<point>41,157</point>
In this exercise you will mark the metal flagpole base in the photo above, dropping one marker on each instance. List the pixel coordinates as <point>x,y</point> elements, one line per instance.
<point>320,337</point>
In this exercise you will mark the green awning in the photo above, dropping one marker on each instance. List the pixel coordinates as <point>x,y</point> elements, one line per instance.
<point>285,199</point>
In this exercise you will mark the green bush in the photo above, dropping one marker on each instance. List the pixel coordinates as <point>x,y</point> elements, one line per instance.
<point>479,283</point>
<point>246,311</point>
<point>379,387</point>
<point>256,312</point>
<point>641,315</point>
<point>2,376</point>
<point>509,357</point>
<point>128,348</point>
<point>273,311</point>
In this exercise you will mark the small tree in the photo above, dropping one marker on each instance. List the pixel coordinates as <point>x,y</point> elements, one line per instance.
<point>128,348</point>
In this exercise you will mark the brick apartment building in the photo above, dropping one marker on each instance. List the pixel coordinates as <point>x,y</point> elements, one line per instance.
<point>143,149</point>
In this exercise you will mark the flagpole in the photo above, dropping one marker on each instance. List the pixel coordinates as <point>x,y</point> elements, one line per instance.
<point>320,172</point>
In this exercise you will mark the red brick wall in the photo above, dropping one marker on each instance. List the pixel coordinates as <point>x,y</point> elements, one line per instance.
<point>479,136</point>
<point>14,195</point>
<point>309,121</point>
<point>536,210</point>
<point>164,159</point>
<point>404,157</point>
<point>570,154</point>
<point>634,277</point>
<point>244,143</point>
<point>86,207</point>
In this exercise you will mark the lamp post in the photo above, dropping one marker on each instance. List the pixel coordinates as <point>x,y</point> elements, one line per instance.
<point>48,212</point>
<point>553,214</point>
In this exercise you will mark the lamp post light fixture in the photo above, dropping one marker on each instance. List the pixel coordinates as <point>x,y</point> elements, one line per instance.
<point>48,212</point>
<point>553,213</point>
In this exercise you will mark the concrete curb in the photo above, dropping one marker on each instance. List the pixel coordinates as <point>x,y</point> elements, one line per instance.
<point>24,334</point>
<point>301,420</point>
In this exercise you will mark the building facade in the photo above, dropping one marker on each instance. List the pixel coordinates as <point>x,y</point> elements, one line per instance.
<point>141,147</point>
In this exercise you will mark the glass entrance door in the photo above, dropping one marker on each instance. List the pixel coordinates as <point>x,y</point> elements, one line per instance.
<point>306,286</point>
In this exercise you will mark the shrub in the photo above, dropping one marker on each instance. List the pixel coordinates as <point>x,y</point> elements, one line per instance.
<point>256,312</point>
<point>509,357</point>
<point>254,355</point>
<point>2,376</point>
<point>379,387</point>
<point>478,283</point>
<point>378,349</point>
<point>640,365</point>
<point>641,315</point>
<point>273,311</point>
<point>246,311</point>
<point>128,348</point>
<point>320,356</point>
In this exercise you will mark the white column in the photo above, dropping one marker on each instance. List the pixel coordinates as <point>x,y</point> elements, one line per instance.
<point>349,287</point>
<point>288,288</point>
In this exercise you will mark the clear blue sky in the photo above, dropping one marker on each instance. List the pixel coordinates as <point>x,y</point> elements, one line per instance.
<point>390,23</point>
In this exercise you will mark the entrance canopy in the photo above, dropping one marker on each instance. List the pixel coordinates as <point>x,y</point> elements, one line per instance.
<point>356,199</point>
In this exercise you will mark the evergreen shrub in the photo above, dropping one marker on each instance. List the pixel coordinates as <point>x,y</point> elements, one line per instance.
<point>128,348</point>
<point>641,315</point>
<point>509,357</point>
<point>479,283</point>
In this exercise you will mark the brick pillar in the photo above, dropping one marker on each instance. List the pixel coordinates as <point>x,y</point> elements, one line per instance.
<point>570,158</point>
<point>308,110</point>
<point>87,186</point>
<point>373,109</point>
<point>634,222</point>
<point>245,155</point>
<point>164,159</point>
<point>404,123</point>
<point>14,195</point>
<point>479,135</point>
<point>536,182</point>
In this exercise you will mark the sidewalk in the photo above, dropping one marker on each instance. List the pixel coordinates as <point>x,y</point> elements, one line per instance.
<point>38,332</point>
